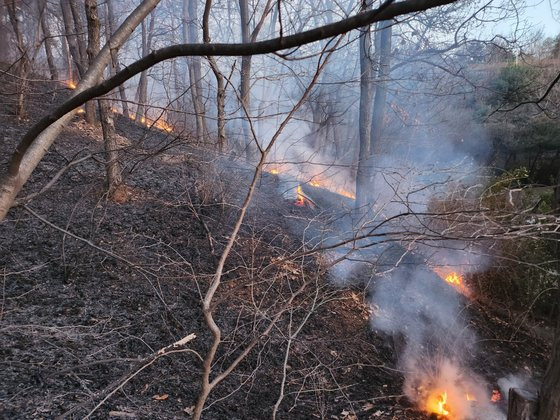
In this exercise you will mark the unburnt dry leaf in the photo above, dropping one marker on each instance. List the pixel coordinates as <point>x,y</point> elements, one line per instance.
<point>162,397</point>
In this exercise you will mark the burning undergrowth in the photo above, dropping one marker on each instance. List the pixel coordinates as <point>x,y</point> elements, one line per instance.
<point>423,311</point>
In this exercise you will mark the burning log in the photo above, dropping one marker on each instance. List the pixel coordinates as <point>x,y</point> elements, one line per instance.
<point>523,405</point>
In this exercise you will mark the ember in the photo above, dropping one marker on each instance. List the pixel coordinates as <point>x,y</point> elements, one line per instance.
<point>496,396</point>
<point>71,85</point>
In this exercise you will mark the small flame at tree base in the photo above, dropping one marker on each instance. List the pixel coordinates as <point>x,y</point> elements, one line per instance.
<point>300,200</point>
<point>496,396</point>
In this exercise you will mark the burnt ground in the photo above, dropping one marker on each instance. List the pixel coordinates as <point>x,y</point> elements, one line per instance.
<point>78,317</point>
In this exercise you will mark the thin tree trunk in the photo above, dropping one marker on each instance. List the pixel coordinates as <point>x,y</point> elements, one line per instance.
<point>90,115</point>
<point>220,84</point>
<point>49,47</point>
<point>71,39</point>
<point>364,124</point>
<point>107,125</point>
<point>142,90</point>
<point>245,83</point>
<point>116,65</point>
<point>26,160</point>
<point>380,102</point>
<point>190,35</point>
<point>383,45</point>
<point>79,31</point>
<point>24,64</point>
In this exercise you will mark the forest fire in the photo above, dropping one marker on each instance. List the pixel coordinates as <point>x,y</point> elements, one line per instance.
<point>160,123</point>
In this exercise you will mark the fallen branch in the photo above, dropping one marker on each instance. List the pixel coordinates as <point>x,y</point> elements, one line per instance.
<point>176,347</point>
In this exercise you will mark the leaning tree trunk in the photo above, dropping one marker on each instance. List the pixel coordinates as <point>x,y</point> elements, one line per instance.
<point>107,125</point>
<point>27,157</point>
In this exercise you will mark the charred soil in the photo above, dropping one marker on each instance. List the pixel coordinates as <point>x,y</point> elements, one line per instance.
<point>92,286</point>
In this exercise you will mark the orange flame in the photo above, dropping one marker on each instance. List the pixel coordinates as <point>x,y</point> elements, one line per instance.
<point>437,404</point>
<point>496,396</point>
<point>71,85</point>
<point>470,397</point>
<point>300,201</point>
<point>274,171</point>
<point>454,278</point>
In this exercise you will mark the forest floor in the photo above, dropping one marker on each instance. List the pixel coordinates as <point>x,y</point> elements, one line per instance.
<point>91,287</point>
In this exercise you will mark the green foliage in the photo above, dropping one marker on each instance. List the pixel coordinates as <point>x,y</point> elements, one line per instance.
<point>514,84</point>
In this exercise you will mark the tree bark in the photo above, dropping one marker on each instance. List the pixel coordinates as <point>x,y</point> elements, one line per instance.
<point>116,65</point>
<point>220,84</point>
<point>29,153</point>
<point>190,35</point>
<point>112,165</point>
<point>364,122</point>
<point>245,86</point>
<point>380,101</point>
<point>90,115</point>
<point>71,38</point>
<point>24,62</point>
<point>49,47</point>
<point>94,33</point>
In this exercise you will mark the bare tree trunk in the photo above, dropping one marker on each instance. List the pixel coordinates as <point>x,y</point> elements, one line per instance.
<point>27,159</point>
<point>49,47</point>
<point>142,90</point>
<point>116,65</point>
<point>79,31</point>
<point>190,35</point>
<point>245,84</point>
<point>366,96</point>
<point>383,45</point>
<point>220,84</point>
<point>24,64</point>
<point>90,115</point>
<point>71,38</point>
<point>380,102</point>
<point>107,125</point>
